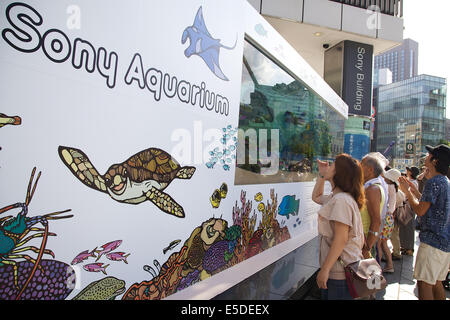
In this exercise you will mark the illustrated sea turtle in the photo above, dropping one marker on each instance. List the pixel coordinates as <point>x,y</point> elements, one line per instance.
<point>142,177</point>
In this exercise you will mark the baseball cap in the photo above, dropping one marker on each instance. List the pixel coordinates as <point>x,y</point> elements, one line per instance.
<point>393,175</point>
<point>440,152</point>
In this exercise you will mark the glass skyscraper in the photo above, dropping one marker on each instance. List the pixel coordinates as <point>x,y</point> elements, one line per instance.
<point>412,114</point>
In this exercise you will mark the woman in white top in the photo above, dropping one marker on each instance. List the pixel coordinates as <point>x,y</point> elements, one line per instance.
<point>339,222</point>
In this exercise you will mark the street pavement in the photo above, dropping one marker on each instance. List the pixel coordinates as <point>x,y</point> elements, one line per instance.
<point>401,284</point>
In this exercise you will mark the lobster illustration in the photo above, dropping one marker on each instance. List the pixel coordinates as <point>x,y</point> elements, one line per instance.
<point>13,231</point>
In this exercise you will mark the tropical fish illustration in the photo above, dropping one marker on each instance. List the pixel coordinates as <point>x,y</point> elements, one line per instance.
<point>118,256</point>
<point>258,197</point>
<point>108,247</point>
<point>105,289</point>
<point>172,245</point>
<point>142,177</point>
<point>95,267</point>
<point>13,120</point>
<point>218,195</point>
<point>289,206</point>
<point>259,28</point>
<point>204,45</point>
<point>261,207</point>
<point>83,256</point>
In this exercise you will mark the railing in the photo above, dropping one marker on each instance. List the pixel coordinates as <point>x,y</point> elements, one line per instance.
<point>390,7</point>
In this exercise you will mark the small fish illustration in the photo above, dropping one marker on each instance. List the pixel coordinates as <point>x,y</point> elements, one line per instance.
<point>172,245</point>
<point>117,256</point>
<point>258,197</point>
<point>259,28</point>
<point>261,207</point>
<point>108,247</point>
<point>288,206</point>
<point>96,267</point>
<point>13,120</point>
<point>218,195</point>
<point>83,256</point>
<point>210,165</point>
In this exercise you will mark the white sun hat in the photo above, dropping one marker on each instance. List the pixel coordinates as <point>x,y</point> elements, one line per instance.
<point>393,175</point>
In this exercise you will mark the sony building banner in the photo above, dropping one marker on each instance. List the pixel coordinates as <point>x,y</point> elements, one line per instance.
<point>357,84</point>
<point>348,70</point>
<point>118,134</point>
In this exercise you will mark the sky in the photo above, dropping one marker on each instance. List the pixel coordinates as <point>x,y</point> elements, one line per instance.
<point>428,23</point>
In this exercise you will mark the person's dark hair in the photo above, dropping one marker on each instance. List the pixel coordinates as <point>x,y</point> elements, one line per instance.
<point>441,166</point>
<point>414,171</point>
<point>349,177</point>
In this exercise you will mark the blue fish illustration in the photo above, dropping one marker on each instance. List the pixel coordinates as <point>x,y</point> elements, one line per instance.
<point>289,206</point>
<point>204,45</point>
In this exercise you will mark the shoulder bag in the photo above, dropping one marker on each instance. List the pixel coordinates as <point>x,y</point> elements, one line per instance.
<point>405,213</point>
<point>364,277</point>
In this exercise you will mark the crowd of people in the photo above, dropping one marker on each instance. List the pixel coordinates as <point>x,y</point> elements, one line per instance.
<point>372,204</point>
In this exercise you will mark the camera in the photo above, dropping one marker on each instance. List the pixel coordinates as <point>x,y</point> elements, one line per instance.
<point>325,45</point>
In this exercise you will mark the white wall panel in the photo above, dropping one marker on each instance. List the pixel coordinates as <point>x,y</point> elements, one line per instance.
<point>357,20</point>
<point>390,28</point>
<point>323,13</point>
<point>288,9</point>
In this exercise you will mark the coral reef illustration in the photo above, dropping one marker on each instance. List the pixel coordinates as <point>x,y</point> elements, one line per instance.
<point>213,247</point>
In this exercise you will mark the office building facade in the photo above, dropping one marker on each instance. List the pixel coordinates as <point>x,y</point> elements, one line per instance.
<point>402,60</point>
<point>412,114</point>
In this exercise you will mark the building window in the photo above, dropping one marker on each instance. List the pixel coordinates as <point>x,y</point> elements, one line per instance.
<point>273,101</point>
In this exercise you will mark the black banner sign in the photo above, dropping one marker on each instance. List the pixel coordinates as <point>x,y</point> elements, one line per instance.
<point>357,84</point>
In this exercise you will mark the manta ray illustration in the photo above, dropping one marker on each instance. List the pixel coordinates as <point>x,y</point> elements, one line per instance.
<point>204,45</point>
